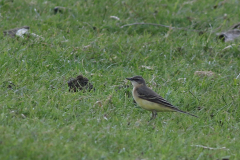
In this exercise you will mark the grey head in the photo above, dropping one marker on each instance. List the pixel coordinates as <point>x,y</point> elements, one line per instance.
<point>137,80</point>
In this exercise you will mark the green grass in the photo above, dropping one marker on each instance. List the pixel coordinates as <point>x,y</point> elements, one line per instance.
<point>41,119</point>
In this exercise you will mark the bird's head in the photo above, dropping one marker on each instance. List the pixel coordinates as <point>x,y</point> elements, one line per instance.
<point>137,80</point>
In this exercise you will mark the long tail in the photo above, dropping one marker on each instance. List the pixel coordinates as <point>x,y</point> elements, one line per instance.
<point>187,113</point>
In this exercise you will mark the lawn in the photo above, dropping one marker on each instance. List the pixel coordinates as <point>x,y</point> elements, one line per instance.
<point>41,119</point>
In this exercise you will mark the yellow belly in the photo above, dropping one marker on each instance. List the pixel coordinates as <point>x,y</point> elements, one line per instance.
<point>152,106</point>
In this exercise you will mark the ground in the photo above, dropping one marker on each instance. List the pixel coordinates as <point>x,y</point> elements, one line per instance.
<point>41,119</point>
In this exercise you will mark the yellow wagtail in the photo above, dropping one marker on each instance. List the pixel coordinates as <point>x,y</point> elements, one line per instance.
<point>150,100</point>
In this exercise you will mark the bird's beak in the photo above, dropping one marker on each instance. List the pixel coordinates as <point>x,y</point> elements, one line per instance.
<point>129,79</point>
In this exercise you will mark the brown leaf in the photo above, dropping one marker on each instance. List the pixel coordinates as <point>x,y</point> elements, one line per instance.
<point>210,148</point>
<point>236,26</point>
<point>147,67</point>
<point>12,32</point>
<point>229,35</point>
<point>23,116</point>
<point>99,103</point>
<point>230,46</point>
<point>105,117</point>
<point>109,99</point>
<point>115,17</point>
<point>190,18</point>
<point>204,73</point>
<point>86,47</point>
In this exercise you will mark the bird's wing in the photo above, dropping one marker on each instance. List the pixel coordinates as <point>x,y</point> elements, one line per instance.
<point>148,94</point>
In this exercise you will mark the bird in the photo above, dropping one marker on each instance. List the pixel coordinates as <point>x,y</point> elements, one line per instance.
<point>150,100</point>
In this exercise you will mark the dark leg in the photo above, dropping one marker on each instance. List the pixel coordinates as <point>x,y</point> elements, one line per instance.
<point>154,114</point>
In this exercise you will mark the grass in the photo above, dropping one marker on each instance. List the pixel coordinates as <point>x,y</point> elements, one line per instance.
<point>40,119</point>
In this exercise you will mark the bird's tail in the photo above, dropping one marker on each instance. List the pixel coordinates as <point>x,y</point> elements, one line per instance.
<point>187,113</point>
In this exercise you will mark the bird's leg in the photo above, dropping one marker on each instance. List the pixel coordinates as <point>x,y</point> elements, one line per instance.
<point>154,114</point>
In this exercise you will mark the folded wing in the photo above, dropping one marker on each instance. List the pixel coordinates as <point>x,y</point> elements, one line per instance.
<point>148,94</point>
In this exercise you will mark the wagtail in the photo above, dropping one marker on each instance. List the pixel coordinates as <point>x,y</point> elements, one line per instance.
<point>150,100</point>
